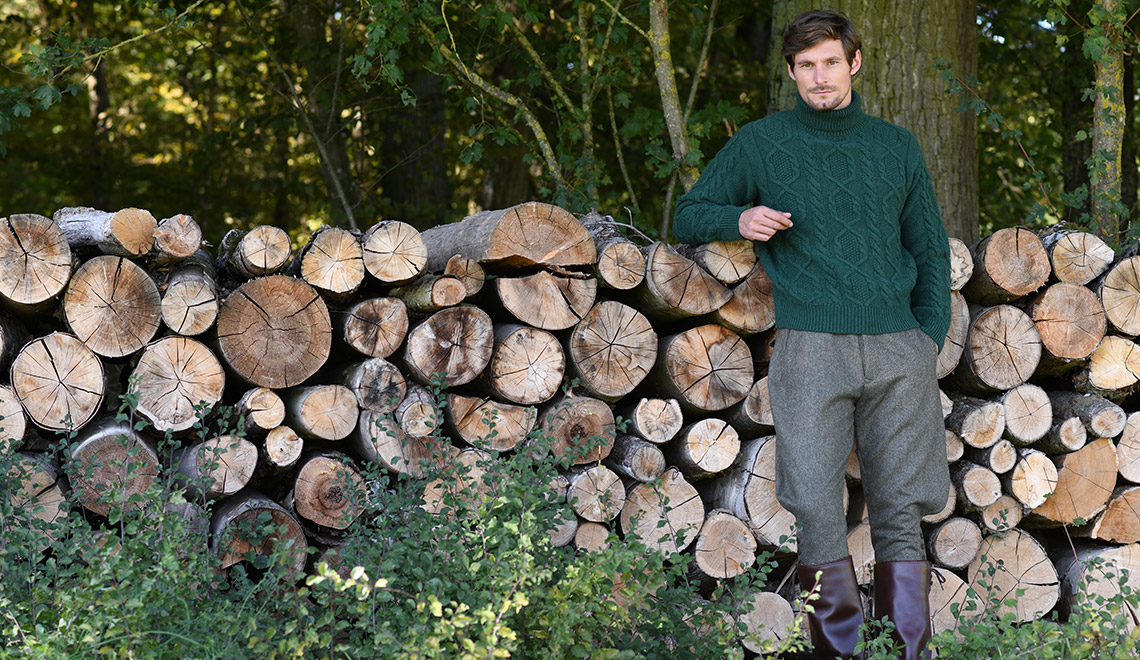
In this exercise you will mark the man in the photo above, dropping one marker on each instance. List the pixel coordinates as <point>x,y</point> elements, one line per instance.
<point>844,220</point>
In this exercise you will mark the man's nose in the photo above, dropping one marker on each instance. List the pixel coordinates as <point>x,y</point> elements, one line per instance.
<point>820,76</point>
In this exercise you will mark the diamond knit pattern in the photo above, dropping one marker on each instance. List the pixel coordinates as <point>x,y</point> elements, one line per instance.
<point>867,253</point>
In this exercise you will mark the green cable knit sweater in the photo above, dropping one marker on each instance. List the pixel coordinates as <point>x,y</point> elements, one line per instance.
<point>867,252</point>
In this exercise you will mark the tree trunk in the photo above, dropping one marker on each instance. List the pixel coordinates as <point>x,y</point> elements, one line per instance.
<point>35,261</point>
<point>999,457</point>
<point>1069,434</point>
<point>1096,574</point>
<point>112,305</point>
<point>611,350</point>
<point>1108,123</point>
<point>454,344</point>
<point>59,382</point>
<point>126,233</point>
<point>178,380</point>
<point>380,439</point>
<point>979,423</point>
<point>431,293</point>
<point>707,368</point>
<point>547,301</point>
<point>1101,417</point>
<point>666,515</point>
<point>261,409</point>
<point>395,252</point>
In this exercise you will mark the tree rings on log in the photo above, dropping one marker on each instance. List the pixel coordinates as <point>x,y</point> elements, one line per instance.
<point>611,350</point>
<point>707,368</point>
<point>1032,479</point>
<point>394,252</point>
<point>263,250</point>
<point>725,547</point>
<point>488,424</point>
<point>321,412</point>
<point>1003,514</point>
<point>1077,256</point>
<point>218,467</point>
<point>955,342</point>
<point>1008,264</point>
<point>665,515</point>
<point>676,287</point>
<point>767,621</point>
<point>951,606</point>
<point>1120,521</point>
<point>126,233</point>
<point>454,343</point>
<point>1013,571</point>
<point>748,490</point>
<point>328,491</point>
<point>1119,292</point>
<point>1069,319</point>
<point>1085,481</point>
<point>35,260</point>
<point>380,439</point>
<point>236,533</point>
<point>262,410</point>
<point>1128,450</point>
<point>190,298</point>
<point>656,420</point>
<point>1002,350</point>
<point>704,448</point>
<point>954,543</point>
<point>527,365</point>
<point>112,305</point>
<point>961,264</point>
<point>283,447</point>
<point>596,494</point>
<point>1113,367</point>
<point>580,428</point>
<point>635,458</point>
<point>112,463</point>
<point>727,261</point>
<point>175,238</point>
<point>467,271</point>
<point>751,308</point>
<point>375,327</point>
<point>547,301</point>
<point>177,380</point>
<point>59,381</point>
<point>1028,414</point>
<point>377,383</point>
<point>332,261</point>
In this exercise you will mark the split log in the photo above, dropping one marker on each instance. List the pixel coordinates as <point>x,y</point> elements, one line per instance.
<point>487,424</point>
<point>676,287</point>
<point>1032,479</point>
<point>1077,256</point>
<point>175,238</point>
<point>591,537</point>
<point>1014,575</point>
<point>545,300</point>
<point>750,309</point>
<point>274,331</point>
<point>430,293</point>
<point>283,448</point>
<point>1070,321</point>
<point>527,364</point>
<point>1096,574</point>
<point>1028,414</point>
<point>1128,450</point>
<point>1119,291</point>
<point>611,350</point>
<point>178,380</point>
<point>665,515</point>
<point>261,409</point>
<point>620,264</point>
<point>1002,515</point>
<point>125,233</point>
<point>529,234</point>
<point>321,412</point>
<point>237,533</point>
<point>725,547</point>
<point>1065,436</point>
<point>707,368</point>
<point>977,486</point>
<point>216,468</point>
<point>704,448</point>
<point>580,428</point>
<point>1120,520</point>
<point>328,491</point>
<point>59,382</point>
<point>753,415</point>
<point>1101,417</point>
<point>635,458</point>
<point>979,423</point>
<point>454,344</point>
<point>113,465</point>
<point>395,252</point>
<point>1085,481</point>
<point>999,457</point>
<point>263,250</point>
<point>656,420</point>
<point>375,327</point>
<point>955,343</point>
<point>595,494</point>
<point>954,543</point>
<point>35,261</point>
<point>961,264</point>
<point>112,305</point>
<point>1002,350</point>
<point>190,296</point>
<point>1008,264</point>
<point>768,620</point>
<point>332,261</point>
<point>468,271</point>
<point>376,383</point>
<point>1113,368</point>
<point>727,261</point>
<point>748,490</point>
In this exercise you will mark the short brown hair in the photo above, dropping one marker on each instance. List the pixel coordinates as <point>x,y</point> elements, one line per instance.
<point>812,27</point>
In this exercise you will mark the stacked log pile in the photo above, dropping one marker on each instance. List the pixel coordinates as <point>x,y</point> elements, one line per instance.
<point>327,354</point>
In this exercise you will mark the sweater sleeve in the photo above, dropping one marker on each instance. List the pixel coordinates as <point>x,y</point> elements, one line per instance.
<point>710,210</point>
<point>924,237</point>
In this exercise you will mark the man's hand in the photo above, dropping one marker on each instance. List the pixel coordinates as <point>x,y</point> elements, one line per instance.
<point>761,223</point>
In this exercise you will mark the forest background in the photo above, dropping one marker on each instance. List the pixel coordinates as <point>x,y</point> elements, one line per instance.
<point>302,112</point>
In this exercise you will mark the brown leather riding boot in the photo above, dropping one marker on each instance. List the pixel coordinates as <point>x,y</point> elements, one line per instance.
<point>838,609</point>
<point>902,592</point>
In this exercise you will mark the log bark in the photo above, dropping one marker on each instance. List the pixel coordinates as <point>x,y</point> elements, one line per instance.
<point>707,368</point>
<point>954,543</point>
<point>529,234</point>
<point>321,412</point>
<point>126,233</point>
<point>1002,350</point>
<point>332,262</point>
<point>375,327</point>
<point>190,296</point>
<point>175,238</point>
<point>1085,481</point>
<point>676,287</point>
<point>728,262</point>
<point>665,515</point>
<point>527,364</point>
<point>611,350</point>
<point>112,305</point>
<point>978,422</point>
<point>274,331</point>
<point>750,309</point>
<point>328,491</point>
<point>704,448</point>
<point>178,381</point>
<point>380,439</point>
<point>581,428</point>
<point>961,264</point>
<point>725,547</point>
<point>748,490</point>
<point>111,464</point>
<point>636,459</point>
<point>236,533</point>
<point>595,494</point>
<point>216,468</point>
<point>487,424</point>
<point>656,420</point>
<point>1028,414</point>
<point>1119,292</point>
<point>431,293</point>
<point>1078,257</point>
<point>1101,417</point>
<point>468,271</point>
<point>377,384</point>
<point>1070,320</point>
<point>59,382</point>
<point>263,250</point>
<point>955,343</point>
<point>545,300</point>
<point>455,344</point>
<point>1025,583</point>
<point>35,261</point>
<point>1008,264</point>
<point>394,252</point>
<point>1032,479</point>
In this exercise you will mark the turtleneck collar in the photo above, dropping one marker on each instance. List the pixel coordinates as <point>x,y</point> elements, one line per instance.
<point>831,121</point>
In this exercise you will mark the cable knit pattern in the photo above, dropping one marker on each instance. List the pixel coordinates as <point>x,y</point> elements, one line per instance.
<point>867,254</point>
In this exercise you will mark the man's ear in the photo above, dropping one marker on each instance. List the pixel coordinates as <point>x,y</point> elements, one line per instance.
<point>790,74</point>
<point>857,62</point>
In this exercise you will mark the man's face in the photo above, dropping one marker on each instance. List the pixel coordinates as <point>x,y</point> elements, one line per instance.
<point>823,75</point>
